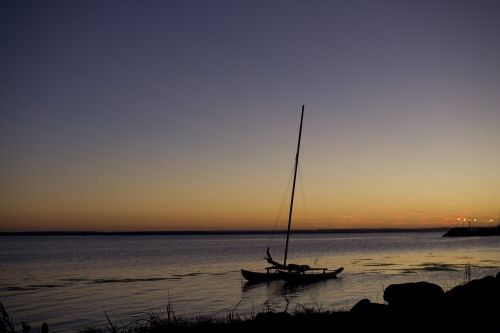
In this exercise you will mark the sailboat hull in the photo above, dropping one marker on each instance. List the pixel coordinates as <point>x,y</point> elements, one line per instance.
<point>290,277</point>
<point>260,276</point>
<point>298,278</point>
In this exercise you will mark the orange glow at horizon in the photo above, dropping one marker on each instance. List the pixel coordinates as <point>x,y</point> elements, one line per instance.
<point>359,185</point>
<point>232,204</point>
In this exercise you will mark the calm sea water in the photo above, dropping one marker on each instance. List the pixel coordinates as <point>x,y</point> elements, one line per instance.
<point>71,281</point>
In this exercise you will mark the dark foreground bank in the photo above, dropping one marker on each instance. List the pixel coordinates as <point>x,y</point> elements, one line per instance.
<point>410,307</point>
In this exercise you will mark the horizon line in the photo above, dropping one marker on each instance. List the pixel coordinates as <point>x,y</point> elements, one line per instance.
<point>214,232</point>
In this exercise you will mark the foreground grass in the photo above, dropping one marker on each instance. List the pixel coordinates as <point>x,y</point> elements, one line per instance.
<point>300,318</point>
<point>169,322</point>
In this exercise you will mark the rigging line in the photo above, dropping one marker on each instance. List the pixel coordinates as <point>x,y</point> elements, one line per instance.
<point>280,211</point>
<point>304,203</point>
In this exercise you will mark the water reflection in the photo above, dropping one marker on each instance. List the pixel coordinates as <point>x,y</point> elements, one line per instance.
<point>284,296</point>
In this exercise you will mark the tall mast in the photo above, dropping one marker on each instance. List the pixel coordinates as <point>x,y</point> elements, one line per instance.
<point>293,188</point>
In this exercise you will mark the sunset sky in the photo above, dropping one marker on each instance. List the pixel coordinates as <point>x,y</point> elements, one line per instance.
<point>184,115</point>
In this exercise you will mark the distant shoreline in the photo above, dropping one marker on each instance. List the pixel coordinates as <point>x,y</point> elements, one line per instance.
<point>216,232</point>
<point>473,232</point>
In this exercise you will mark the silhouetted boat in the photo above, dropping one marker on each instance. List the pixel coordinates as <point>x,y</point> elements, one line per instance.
<point>292,273</point>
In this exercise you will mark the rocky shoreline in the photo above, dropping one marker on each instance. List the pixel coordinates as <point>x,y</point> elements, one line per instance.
<point>425,306</point>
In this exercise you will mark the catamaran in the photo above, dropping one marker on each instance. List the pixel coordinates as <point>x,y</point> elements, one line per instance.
<point>293,273</point>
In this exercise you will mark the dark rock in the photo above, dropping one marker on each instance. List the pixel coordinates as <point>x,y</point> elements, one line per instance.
<point>481,295</point>
<point>413,295</point>
<point>475,305</point>
<point>26,327</point>
<point>45,328</point>
<point>361,305</point>
<point>367,308</point>
<point>498,275</point>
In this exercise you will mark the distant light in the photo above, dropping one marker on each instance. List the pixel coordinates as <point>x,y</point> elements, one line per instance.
<point>475,220</point>
<point>458,219</point>
<point>491,220</point>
